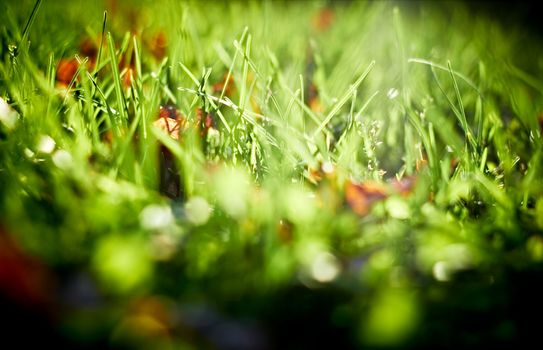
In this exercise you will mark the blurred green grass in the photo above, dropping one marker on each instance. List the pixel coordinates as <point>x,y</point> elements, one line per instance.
<point>371,178</point>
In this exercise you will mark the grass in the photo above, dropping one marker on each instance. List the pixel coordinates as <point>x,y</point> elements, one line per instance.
<point>360,174</point>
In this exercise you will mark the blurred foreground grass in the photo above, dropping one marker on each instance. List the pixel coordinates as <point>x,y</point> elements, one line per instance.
<point>258,175</point>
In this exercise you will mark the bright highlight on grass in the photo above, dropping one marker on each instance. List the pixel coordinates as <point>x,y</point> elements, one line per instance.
<point>261,175</point>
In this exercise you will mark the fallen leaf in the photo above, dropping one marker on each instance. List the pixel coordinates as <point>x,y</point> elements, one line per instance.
<point>89,49</point>
<point>324,19</point>
<point>128,77</point>
<point>219,86</point>
<point>420,164</point>
<point>22,278</point>
<point>170,120</point>
<point>158,45</point>
<point>66,70</point>
<point>361,197</point>
<point>204,121</point>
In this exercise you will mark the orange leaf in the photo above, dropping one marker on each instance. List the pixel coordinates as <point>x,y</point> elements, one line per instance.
<point>170,121</point>
<point>324,19</point>
<point>67,67</point>
<point>361,197</point>
<point>204,121</point>
<point>420,164</point>
<point>88,48</point>
<point>219,86</point>
<point>158,45</point>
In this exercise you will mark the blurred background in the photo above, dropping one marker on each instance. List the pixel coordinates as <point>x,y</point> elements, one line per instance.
<point>91,260</point>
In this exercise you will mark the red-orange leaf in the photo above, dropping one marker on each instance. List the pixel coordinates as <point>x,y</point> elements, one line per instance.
<point>324,19</point>
<point>158,45</point>
<point>361,197</point>
<point>204,121</point>
<point>170,120</point>
<point>67,67</point>
<point>219,86</point>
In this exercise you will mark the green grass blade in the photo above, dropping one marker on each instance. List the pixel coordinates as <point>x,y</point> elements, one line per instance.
<point>29,23</point>
<point>439,66</point>
<point>343,100</point>
<point>122,118</point>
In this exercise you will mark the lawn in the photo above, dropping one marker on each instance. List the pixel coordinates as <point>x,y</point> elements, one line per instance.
<point>269,175</point>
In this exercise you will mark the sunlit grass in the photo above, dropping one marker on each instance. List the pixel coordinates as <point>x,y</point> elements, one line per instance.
<point>385,155</point>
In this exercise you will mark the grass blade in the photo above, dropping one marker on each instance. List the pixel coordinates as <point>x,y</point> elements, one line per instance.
<point>29,23</point>
<point>439,66</point>
<point>344,99</point>
<point>123,116</point>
